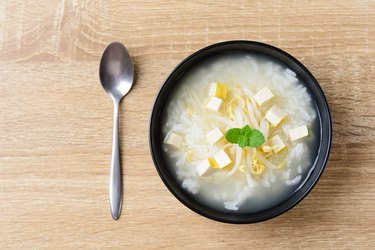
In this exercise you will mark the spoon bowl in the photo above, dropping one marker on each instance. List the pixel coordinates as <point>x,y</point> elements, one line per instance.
<point>116,74</point>
<point>116,70</point>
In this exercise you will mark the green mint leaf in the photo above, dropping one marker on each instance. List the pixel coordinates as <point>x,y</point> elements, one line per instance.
<point>245,137</point>
<point>256,139</point>
<point>246,131</point>
<point>243,141</point>
<point>232,135</point>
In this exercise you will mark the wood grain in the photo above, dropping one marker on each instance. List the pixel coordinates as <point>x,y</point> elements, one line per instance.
<point>56,122</point>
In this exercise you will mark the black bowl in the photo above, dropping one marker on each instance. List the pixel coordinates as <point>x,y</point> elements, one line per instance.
<point>183,68</point>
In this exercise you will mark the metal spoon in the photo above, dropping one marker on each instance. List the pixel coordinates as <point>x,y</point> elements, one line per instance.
<point>116,75</point>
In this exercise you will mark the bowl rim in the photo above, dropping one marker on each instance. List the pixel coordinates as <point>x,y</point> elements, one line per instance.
<point>321,167</point>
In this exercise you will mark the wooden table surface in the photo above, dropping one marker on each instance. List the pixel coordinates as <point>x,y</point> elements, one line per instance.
<point>56,121</point>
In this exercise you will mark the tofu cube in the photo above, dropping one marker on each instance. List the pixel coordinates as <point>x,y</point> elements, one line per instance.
<point>298,133</point>
<point>173,140</point>
<point>277,144</point>
<point>263,95</point>
<point>214,103</point>
<point>206,168</point>
<point>275,115</point>
<point>214,136</point>
<point>218,90</point>
<point>222,159</point>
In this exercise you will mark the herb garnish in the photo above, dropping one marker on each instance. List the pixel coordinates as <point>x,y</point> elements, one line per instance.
<point>245,137</point>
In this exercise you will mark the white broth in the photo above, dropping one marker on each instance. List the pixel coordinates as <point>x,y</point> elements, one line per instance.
<point>232,91</point>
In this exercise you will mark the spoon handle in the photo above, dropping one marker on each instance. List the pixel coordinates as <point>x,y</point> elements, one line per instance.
<point>115,178</point>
